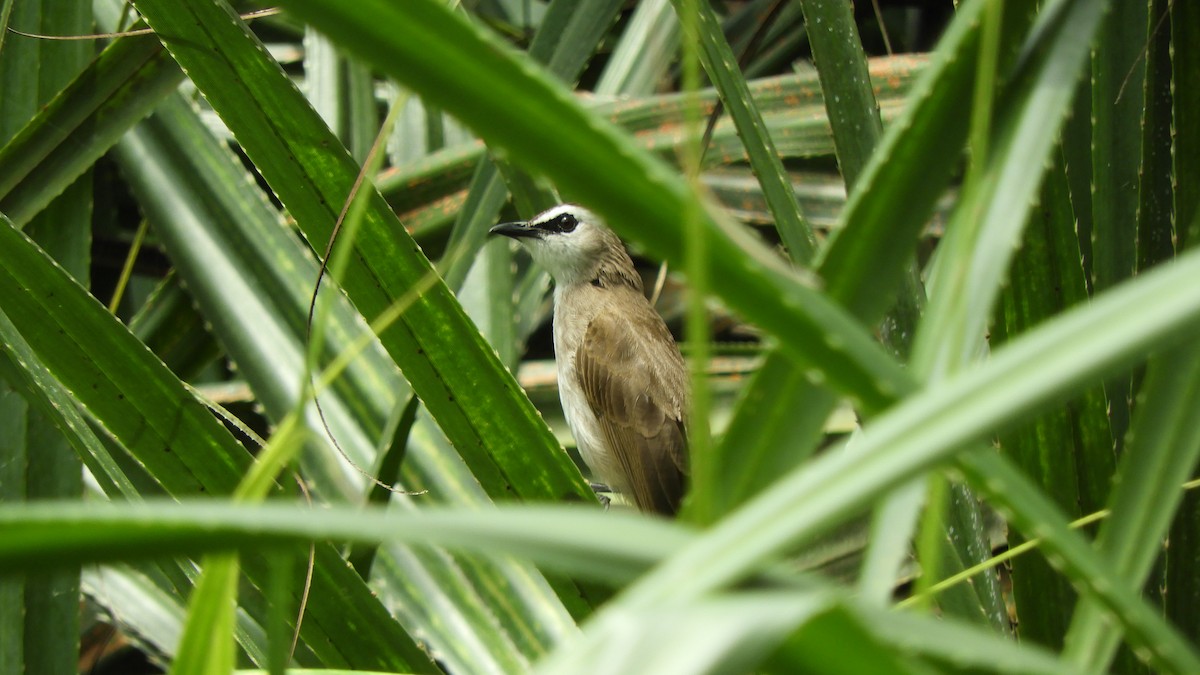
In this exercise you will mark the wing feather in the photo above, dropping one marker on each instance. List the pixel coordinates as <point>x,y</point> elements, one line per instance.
<point>635,381</point>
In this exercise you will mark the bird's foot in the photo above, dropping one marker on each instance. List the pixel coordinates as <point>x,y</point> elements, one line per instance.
<point>602,491</point>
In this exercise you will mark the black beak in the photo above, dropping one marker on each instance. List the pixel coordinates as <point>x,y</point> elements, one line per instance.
<point>515,230</point>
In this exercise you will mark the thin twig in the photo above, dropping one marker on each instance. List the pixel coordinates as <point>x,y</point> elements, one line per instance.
<point>248,16</point>
<point>1145,48</point>
<point>1013,552</point>
<point>312,305</point>
<point>748,53</point>
<point>308,574</point>
<point>887,44</point>
<point>659,282</point>
<point>127,268</point>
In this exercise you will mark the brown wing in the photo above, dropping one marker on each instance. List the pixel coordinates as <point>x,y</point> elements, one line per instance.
<point>634,379</point>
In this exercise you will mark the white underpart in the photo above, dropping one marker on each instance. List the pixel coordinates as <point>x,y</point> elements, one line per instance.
<point>580,418</point>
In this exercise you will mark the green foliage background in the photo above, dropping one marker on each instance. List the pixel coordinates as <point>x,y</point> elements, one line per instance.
<point>983,257</point>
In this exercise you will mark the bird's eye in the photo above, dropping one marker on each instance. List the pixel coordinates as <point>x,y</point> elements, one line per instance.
<point>564,223</point>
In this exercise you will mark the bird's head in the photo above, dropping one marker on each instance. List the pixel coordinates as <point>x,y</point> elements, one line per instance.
<point>569,241</point>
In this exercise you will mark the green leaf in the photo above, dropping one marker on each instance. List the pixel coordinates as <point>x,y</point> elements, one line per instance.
<point>438,54</point>
<point>170,325</point>
<point>21,364</point>
<point>150,614</point>
<point>1185,62</point>
<point>564,537</point>
<point>173,435</point>
<point>738,633</point>
<point>1118,74</point>
<point>861,257</point>
<point>45,621</point>
<point>721,66</point>
<point>342,93</point>
<point>612,546</point>
<point>481,409</point>
<point>13,412</point>
<point>890,202</point>
<point>207,646</point>
<point>82,122</point>
<point>1155,236</point>
<point>1046,364</point>
<point>846,83</point>
<point>1164,445</point>
<point>566,39</point>
<point>1068,451</point>
<point>776,427</point>
<point>855,122</point>
<point>974,255</point>
<point>1184,596</point>
<point>644,53</point>
<point>136,398</point>
<point>569,34</point>
<point>792,108</point>
<point>251,278</point>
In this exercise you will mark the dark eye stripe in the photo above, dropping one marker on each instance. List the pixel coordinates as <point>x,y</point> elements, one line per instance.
<point>562,223</point>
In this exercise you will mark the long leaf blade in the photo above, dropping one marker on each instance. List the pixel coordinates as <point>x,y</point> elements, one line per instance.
<point>487,417</point>
<point>640,196</point>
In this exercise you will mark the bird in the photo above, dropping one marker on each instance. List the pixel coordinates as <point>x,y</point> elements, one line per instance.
<point>623,384</point>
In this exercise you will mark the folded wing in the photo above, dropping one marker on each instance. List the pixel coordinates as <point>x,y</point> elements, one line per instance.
<point>635,381</point>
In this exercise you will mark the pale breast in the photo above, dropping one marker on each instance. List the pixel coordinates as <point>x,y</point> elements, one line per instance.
<point>571,319</point>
